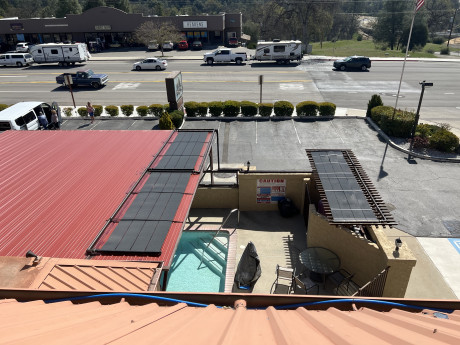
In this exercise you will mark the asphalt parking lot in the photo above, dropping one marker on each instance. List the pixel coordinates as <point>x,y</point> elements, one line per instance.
<point>423,195</point>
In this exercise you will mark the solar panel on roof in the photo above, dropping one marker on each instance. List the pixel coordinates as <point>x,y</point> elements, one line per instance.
<point>344,195</point>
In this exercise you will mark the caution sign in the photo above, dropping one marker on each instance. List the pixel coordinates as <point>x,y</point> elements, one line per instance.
<point>270,190</point>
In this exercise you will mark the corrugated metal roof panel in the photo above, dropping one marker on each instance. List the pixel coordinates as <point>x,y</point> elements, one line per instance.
<point>58,188</point>
<point>121,323</point>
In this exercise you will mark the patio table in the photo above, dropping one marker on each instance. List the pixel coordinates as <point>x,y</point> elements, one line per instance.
<point>320,260</point>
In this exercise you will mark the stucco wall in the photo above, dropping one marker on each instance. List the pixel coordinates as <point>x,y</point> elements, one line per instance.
<point>362,257</point>
<point>215,197</point>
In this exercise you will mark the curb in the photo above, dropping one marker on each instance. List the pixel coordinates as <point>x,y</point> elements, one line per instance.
<point>414,154</point>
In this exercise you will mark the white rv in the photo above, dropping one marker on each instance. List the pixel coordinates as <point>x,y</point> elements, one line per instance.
<point>60,53</point>
<point>279,51</point>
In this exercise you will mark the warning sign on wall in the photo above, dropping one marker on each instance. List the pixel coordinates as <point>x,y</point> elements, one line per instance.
<point>270,190</point>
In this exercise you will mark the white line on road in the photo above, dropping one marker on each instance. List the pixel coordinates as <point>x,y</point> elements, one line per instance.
<point>295,129</point>
<point>13,76</point>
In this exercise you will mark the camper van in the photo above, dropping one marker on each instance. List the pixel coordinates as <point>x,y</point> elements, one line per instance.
<point>279,51</point>
<point>60,53</point>
<point>24,115</point>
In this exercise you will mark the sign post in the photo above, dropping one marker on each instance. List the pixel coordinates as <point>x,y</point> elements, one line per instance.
<point>261,81</point>
<point>68,83</point>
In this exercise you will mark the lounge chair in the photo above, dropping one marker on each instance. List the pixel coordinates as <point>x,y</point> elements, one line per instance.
<point>284,280</point>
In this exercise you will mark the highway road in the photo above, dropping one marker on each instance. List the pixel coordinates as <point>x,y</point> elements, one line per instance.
<point>309,80</point>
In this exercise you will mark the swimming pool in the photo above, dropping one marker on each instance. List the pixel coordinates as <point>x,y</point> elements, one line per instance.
<point>186,273</point>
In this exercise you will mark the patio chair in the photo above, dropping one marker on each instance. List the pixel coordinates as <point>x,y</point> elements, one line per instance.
<point>303,284</point>
<point>341,278</point>
<point>284,280</point>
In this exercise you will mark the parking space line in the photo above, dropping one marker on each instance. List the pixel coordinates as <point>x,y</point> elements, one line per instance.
<point>295,129</point>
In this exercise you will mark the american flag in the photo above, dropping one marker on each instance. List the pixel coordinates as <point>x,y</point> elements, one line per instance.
<point>419,4</point>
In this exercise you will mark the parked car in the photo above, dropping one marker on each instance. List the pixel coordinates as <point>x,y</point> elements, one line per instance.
<point>16,59</point>
<point>150,63</point>
<point>197,45</point>
<point>353,62</point>
<point>233,42</point>
<point>182,45</point>
<point>153,45</point>
<point>168,45</point>
<point>22,47</point>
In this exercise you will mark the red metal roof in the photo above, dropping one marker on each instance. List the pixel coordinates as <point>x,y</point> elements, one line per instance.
<point>58,188</point>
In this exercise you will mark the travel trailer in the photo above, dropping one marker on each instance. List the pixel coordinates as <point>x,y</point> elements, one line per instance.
<point>279,51</point>
<point>61,53</point>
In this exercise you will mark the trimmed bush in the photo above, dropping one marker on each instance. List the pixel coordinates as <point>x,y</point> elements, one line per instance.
<point>231,108</point>
<point>202,109</point>
<point>68,111</point>
<point>156,110</point>
<point>375,101</point>
<point>359,37</point>
<point>127,109</point>
<point>283,108</point>
<point>142,110</point>
<point>82,111</point>
<point>425,130</point>
<point>191,108</point>
<point>3,106</point>
<point>112,110</point>
<point>165,122</point>
<point>399,126</point>
<point>445,51</point>
<point>307,108</point>
<point>215,108</point>
<point>326,109</point>
<point>443,140</point>
<point>248,108</point>
<point>438,40</point>
<point>177,117</point>
<point>98,110</point>
<point>265,109</point>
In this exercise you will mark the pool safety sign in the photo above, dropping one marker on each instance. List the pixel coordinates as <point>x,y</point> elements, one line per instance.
<point>270,190</point>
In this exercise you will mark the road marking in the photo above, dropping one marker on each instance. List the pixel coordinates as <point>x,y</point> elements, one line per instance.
<point>13,76</point>
<point>449,93</point>
<point>295,129</point>
<point>126,86</point>
<point>291,87</point>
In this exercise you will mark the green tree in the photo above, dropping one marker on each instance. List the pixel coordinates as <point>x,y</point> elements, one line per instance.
<point>93,3</point>
<point>160,32</point>
<point>123,5</point>
<point>390,23</point>
<point>438,14</point>
<point>65,7</point>
<point>419,36</point>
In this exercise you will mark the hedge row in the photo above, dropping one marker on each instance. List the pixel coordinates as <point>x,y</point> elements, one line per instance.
<point>126,109</point>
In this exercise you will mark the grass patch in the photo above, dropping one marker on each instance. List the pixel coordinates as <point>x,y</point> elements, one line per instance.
<point>368,48</point>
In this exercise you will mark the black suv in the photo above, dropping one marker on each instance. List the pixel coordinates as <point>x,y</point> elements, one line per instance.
<point>353,62</point>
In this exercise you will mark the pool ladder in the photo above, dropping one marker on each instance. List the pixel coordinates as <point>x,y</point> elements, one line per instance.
<point>220,228</point>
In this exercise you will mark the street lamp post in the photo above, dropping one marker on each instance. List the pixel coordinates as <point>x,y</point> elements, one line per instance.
<point>417,116</point>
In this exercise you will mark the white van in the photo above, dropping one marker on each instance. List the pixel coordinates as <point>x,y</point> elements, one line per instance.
<point>24,116</point>
<point>16,59</point>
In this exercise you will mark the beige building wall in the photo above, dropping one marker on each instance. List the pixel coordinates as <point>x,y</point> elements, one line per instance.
<point>215,197</point>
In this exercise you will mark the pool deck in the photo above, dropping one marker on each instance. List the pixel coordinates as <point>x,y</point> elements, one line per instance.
<point>278,241</point>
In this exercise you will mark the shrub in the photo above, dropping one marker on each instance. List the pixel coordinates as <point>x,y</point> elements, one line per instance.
<point>68,111</point>
<point>307,108</point>
<point>231,108</point>
<point>443,140</point>
<point>438,40</point>
<point>112,110</point>
<point>142,110</point>
<point>3,106</point>
<point>165,122</point>
<point>327,109</point>
<point>215,108</point>
<point>375,101</point>
<point>251,45</point>
<point>177,117</point>
<point>265,109</point>
<point>202,109</point>
<point>82,111</point>
<point>430,51</point>
<point>97,110</point>
<point>445,51</point>
<point>399,126</point>
<point>425,130</point>
<point>127,109</point>
<point>156,109</point>
<point>248,108</point>
<point>283,108</point>
<point>359,37</point>
<point>191,108</point>
<point>420,142</point>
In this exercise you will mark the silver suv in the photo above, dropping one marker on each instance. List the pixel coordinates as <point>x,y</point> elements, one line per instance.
<point>22,47</point>
<point>353,62</point>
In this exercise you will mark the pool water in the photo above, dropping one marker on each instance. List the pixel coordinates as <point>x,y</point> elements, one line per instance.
<point>186,273</point>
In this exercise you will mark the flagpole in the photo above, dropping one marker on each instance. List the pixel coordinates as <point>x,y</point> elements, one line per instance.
<point>405,58</point>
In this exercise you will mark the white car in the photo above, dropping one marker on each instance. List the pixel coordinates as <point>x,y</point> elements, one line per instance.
<point>151,63</point>
<point>22,47</point>
<point>168,45</point>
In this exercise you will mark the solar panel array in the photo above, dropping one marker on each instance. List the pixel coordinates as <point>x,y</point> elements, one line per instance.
<point>143,228</point>
<point>344,195</point>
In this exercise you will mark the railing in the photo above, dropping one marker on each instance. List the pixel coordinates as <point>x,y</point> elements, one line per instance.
<point>220,228</point>
<point>375,287</point>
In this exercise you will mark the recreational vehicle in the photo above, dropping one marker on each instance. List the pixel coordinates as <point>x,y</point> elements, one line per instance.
<point>279,51</point>
<point>60,53</point>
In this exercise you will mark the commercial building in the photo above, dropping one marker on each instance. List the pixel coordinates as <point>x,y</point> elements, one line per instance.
<point>115,27</point>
